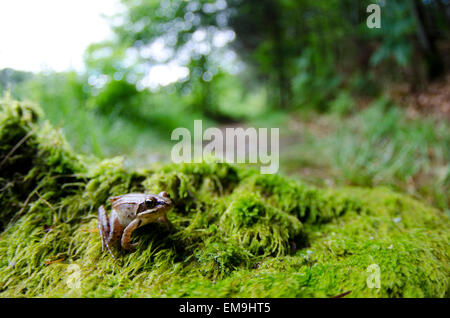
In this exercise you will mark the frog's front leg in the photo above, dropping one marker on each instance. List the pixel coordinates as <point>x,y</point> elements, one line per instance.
<point>165,220</point>
<point>126,236</point>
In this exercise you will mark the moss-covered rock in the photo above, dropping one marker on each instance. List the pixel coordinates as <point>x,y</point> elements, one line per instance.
<point>236,232</point>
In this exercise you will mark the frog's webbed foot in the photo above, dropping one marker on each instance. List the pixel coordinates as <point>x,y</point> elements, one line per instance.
<point>103,228</point>
<point>126,236</point>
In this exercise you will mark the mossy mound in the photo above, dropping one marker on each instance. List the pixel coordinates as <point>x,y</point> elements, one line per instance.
<point>236,233</point>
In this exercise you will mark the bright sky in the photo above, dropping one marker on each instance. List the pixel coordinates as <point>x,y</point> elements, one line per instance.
<point>38,35</point>
<point>44,35</point>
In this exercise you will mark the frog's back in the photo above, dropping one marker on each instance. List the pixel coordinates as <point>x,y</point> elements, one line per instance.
<point>127,198</point>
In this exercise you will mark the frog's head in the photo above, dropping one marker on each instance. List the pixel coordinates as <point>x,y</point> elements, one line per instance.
<point>141,204</point>
<point>155,204</point>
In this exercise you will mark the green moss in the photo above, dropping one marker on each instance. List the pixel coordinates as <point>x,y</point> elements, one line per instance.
<point>236,233</point>
<point>258,227</point>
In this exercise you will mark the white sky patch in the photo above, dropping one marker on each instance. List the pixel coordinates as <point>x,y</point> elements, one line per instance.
<point>163,75</point>
<point>221,38</point>
<point>37,35</point>
<point>157,51</point>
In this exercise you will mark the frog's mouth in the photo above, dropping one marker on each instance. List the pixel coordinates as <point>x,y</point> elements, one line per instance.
<point>161,208</point>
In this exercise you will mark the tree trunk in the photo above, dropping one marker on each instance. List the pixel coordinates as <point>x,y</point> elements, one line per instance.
<point>435,66</point>
<point>274,20</point>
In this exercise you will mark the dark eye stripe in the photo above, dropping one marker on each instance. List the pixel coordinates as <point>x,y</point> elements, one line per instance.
<point>142,207</point>
<point>146,205</point>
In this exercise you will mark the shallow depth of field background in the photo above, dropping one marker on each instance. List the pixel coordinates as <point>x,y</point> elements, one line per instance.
<point>354,105</point>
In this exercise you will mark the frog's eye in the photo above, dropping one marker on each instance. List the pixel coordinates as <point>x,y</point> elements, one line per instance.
<point>150,203</point>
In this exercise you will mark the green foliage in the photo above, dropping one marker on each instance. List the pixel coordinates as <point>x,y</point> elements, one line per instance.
<point>315,83</point>
<point>388,146</point>
<point>343,104</point>
<point>236,233</point>
<point>62,96</point>
<point>180,28</point>
<point>9,78</point>
<point>109,120</point>
<point>398,26</point>
<point>294,49</point>
<point>118,98</point>
<point>379,145</point>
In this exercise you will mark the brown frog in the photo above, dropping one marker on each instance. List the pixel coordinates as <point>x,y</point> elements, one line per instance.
<point>128,212</point>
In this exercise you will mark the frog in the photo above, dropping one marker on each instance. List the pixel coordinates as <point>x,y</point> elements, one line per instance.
<point>128,212</point>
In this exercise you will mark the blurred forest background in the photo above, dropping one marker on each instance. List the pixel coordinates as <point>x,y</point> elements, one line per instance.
<point>355,106</point>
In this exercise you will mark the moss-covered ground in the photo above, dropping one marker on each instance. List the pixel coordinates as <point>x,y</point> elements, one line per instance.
<point>236,233</point>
